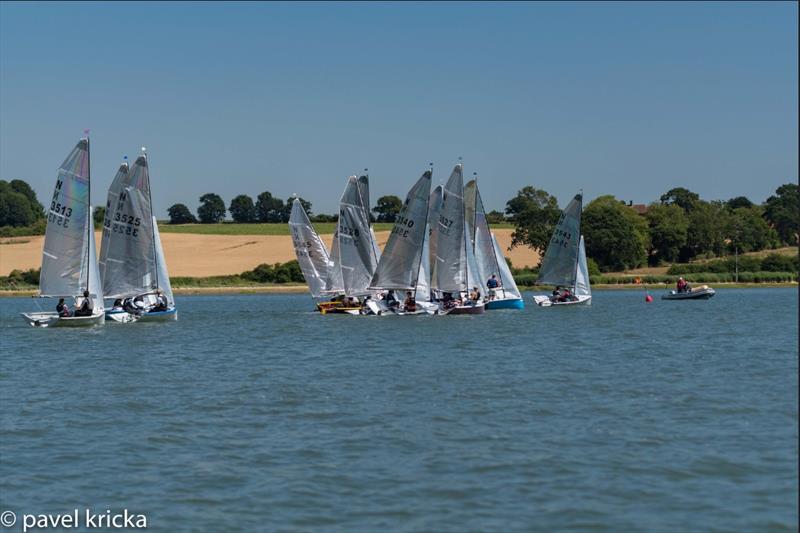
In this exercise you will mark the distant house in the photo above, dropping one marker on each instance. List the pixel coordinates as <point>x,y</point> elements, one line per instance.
<point>639,208</point>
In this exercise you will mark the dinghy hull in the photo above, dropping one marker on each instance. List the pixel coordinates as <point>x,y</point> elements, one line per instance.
<point>544,301</point>
<point>467,310</point>
<point>52,320</point>
<point>160,316</point>
<point>506,303</point>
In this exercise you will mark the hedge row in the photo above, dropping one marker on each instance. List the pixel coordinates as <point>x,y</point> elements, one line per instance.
<point>527,280</point>
<point>771,263</point>
<point>37,228</point>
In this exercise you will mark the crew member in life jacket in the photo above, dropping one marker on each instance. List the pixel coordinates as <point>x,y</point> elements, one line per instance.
<point>87,307</point>
<point>62,309</point>
<point>410,303</point>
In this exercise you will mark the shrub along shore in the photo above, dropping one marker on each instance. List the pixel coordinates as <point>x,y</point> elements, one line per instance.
<point>773,269</point>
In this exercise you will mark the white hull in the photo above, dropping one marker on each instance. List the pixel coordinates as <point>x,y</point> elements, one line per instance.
<point>50,319</point>
<point>544,301</point>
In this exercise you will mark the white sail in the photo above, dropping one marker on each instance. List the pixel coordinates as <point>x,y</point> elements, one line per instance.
<point>558,266</point>
<point>164,284</point>
<point>358,261</point>
<point>422,292</point>
<point>451,240</point>
<point>508,287</point>
<point>312,255</point>
<point>95,282</point>
<point>434,207</point>
<point>399,265</point>
<point>582,286</point>
<point>65,262</point>
<point>334,284</point>
<point>129,266</point>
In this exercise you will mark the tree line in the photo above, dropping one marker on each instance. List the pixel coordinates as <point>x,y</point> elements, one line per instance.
<point>679,227</point>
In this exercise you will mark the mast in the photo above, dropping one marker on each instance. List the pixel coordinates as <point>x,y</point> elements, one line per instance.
<point>89,220</point>
<point>153,227</point>
<point>464,218</point>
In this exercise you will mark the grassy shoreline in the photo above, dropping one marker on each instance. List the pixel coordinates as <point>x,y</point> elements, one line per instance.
<point>299,289</point>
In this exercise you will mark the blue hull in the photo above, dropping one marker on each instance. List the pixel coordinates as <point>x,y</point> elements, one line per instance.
<point>154,316</point>
<point>511,303</point>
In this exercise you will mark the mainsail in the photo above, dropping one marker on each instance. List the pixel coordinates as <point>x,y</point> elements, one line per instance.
<point>559,266</point>
<point>117,185</point>
<point>356,246</point>
<point>310,250</point>
<point>451,271</point>
<point>400,264</point>
<point>129,250</point>
<point>67,269</point>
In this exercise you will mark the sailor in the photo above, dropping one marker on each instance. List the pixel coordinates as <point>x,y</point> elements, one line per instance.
<point>556,297</point>
<point>682,286</point>
<point>62,309</point>
<point>117,305</point>
<point>87,307</point>
<point>161,302</point>
<point>566,296</point>
<point>391,301</point>
<point>492,284</point>
<point>410,303</point>
<point>475,295</point>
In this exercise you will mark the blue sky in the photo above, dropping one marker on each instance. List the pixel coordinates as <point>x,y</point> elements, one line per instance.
<point>629,99</point>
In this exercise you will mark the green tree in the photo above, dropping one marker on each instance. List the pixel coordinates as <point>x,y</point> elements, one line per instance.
<point>669,227</point>
<point>287,208</point>
<point>99,216</point>
<point>782,211</point>
<point>747,230</point>
<point>180,214</point>
<point>708,223</point>
<point>212,209</point>
<point>495,217</point>
<point>616,236</point>
<point>739,201</point>
<point>387,208</point>
<point>242,209</point>
<point>683,198</point>
<point>22,187</point>
<point>269,208</point>
<point>534,214</point>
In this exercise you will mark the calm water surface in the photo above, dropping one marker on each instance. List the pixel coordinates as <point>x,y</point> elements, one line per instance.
<point>253,413</point>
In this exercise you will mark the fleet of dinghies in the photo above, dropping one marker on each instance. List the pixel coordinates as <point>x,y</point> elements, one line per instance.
<point>439,258</point>
<point>132,271</point>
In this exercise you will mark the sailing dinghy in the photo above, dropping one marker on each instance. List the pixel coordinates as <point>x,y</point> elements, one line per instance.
<point>132,261</point>
<point>488,255</point>
<point>69,258</point>
<point>403,266</point>
<point>354,253</point>
<point>455,269</point>
<point>564,263</point>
